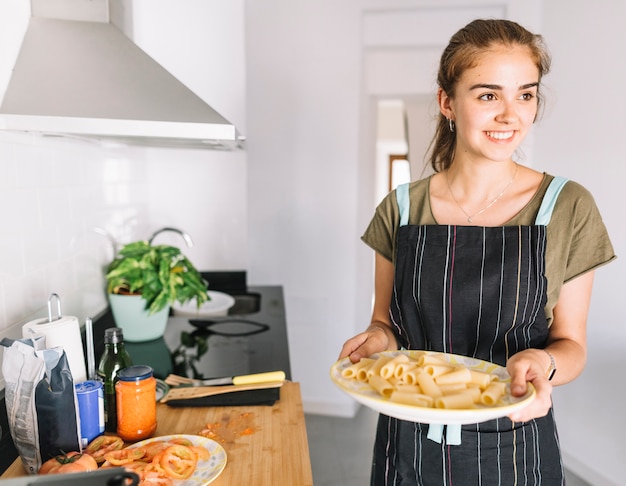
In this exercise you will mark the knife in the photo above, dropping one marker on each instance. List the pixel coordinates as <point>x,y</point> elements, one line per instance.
<point>188,392</point>
<point>266,377</point>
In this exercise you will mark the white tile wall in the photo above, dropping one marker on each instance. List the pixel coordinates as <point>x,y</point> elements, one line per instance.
<point>53,193</point>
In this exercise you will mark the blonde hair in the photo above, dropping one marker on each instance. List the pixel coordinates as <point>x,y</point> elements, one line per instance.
<point>462,53</point>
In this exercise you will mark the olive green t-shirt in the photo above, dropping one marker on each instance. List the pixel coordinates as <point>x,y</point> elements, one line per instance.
<point>577,240</point>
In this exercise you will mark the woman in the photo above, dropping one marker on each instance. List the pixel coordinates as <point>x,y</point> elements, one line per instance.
<point>485,258</point>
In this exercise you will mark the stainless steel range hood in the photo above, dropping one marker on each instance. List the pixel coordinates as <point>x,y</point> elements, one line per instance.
<point>85,79</point>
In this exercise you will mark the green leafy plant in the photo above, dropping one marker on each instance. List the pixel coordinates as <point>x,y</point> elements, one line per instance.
<point>161,274</point>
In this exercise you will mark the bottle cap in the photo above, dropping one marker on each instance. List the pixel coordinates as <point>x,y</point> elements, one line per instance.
<point>113,335</point>
<point>135,373</point>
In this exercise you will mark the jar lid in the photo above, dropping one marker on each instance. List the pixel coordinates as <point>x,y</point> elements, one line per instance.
<point>113,335</point>
<point>135,373</point>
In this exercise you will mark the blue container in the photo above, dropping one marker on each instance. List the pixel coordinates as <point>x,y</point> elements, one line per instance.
<point>90,396</point>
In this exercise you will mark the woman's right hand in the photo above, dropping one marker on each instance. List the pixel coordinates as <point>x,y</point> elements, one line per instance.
<point>373,340</point>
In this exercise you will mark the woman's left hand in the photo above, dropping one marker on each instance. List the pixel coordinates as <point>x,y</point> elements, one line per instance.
<point>530,366</point>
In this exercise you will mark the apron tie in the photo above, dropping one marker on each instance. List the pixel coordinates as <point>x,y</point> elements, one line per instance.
<point>453,433</point>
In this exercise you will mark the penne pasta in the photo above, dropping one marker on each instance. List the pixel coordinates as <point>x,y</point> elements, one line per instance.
<point>411,399</point>
<point>480,378</point>
<point>428,385</point>
<point>457,375</point>
<point>354,369</point>
<point>448,389</point>
<point>438,369</point>
<point>493,393</point>
<point>408,388</point>
<point>427,380</point>
<point>456,400</point>
<point>410,376</point>
<point>382,386</point>
<point>388,369</point>
<point>403,368</point>
<point>375,368</point>
<point>361,372</point>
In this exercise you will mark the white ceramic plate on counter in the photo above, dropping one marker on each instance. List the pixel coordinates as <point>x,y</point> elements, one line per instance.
<point>363,393</point>
<point>217,306</point>
<point>206,471</point>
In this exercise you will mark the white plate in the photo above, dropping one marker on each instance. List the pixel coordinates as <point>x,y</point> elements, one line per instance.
<point>366,395</point>
<point>217,306</point>
<point>206,471</point>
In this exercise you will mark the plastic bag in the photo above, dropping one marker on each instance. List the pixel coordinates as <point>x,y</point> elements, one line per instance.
<point>41,401</point>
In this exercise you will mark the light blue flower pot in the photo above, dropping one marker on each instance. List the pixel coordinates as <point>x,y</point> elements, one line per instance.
<point>130,315</point>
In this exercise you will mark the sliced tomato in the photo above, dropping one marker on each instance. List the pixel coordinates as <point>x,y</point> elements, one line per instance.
<point>202,453</point>
<point>152,478</point>
<point>98,447</point>
<point>136,467</point>
<point>178,461</point>
<point>154,448</point>
<point>125,456</point>
<point>180,440</point>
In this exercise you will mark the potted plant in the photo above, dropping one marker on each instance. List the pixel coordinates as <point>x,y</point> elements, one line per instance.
<point>143,281</point>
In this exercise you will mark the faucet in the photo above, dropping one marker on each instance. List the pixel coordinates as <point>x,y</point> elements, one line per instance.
<point>185,236</point>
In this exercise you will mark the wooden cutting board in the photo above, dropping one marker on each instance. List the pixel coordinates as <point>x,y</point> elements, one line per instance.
<point>186,392</point>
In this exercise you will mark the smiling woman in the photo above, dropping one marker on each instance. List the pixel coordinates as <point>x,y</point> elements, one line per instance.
<point>482,235</point>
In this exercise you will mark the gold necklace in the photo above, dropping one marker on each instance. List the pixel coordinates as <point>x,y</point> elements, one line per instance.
<point>471,217</point>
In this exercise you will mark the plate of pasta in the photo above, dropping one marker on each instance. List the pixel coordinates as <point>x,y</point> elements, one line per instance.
<point>430,387</point>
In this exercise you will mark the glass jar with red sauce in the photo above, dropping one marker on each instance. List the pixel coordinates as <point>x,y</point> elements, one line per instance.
<point>136,403</point>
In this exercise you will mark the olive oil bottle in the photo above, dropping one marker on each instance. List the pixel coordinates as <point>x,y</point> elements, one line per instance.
<point>114,359</point>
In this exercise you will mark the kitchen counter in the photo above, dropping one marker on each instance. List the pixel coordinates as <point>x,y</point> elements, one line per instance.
<point>251,339</point>
<point>274,452</point>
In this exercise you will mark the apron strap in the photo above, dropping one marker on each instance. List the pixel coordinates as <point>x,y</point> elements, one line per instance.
<point>402,196</point>
<point>549,200</point>
<point>453,433</point>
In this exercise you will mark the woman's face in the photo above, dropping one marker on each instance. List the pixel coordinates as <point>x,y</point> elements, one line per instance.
<point>494,104</point>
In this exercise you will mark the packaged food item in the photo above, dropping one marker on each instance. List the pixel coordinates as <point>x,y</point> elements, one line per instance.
<point>42,408</point>
<point>136,403</point>
<point>114,358</point>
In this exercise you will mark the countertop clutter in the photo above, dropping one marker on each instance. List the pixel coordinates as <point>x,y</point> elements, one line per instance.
<point>273,451</point>
<point>251,339</point>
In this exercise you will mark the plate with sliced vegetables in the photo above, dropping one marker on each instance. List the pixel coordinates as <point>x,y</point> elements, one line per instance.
<point>188,460</point>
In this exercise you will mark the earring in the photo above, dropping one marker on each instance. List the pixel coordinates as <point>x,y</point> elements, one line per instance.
<point>451,124</point>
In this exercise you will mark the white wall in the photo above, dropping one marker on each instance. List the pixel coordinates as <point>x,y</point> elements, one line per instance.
<point>303,111</point>
<point>581,137</point>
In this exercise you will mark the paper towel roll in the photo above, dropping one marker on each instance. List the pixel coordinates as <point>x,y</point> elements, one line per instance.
<point>65,332</point>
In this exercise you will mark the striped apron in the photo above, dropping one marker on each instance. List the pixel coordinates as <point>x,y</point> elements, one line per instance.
<point>480,292</point>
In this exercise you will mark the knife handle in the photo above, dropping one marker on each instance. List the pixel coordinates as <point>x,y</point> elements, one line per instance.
<point>259,378</point>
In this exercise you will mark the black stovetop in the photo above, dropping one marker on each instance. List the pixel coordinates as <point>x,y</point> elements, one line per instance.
<point>235,344</point>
